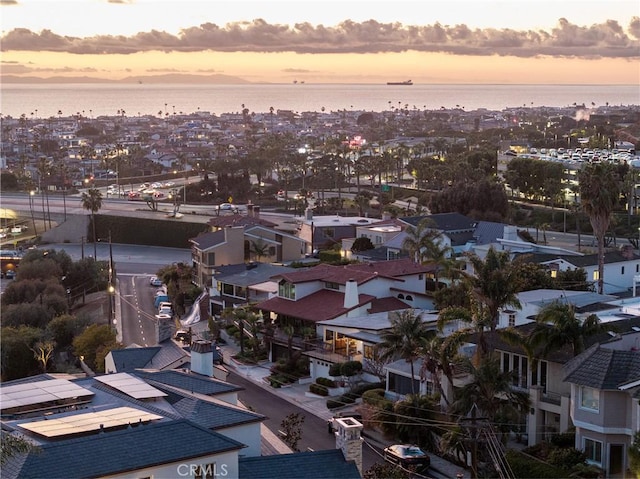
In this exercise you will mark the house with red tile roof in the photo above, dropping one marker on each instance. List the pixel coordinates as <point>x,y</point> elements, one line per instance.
<point>325,292</point>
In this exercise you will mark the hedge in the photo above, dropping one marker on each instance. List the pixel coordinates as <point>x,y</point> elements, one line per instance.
<point>523,466</point>
<point>330,383</point>
<point>318,389</point>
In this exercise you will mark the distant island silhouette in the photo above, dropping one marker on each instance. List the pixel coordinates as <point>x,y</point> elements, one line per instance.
<point>166,78</point>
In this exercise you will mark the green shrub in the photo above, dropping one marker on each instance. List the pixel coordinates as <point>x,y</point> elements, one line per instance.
<point>523,466</point>
<point>319,389</point>
<point>566,439</point>
<point>350,368</point>
<point>566,458</point>
<point>334,369</point>
<point>334,403</point>
<point>329,256</point>
<point>360,389</point>
<point>330,383</point>
<point>373,397</point>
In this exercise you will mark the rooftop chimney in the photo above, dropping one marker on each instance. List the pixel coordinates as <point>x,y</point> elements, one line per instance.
<point>202,357</point>
<point>349,440</point>
<point>351,294</point>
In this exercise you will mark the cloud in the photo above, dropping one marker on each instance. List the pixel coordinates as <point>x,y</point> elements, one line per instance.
<point>606,39</point>
<point>164,70</point>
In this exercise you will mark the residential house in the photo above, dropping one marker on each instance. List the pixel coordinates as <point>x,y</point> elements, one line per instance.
<point>225,246</point>
<point>605,392</point>
<point>243,283</point>
<point>149,424</point>
<point>324,232</point>
<point>533,301</point>
<point>324,292</point>
<point>354,339</point>
<point>239,238</point>
<point>166,355</point>
<point>620,267</point>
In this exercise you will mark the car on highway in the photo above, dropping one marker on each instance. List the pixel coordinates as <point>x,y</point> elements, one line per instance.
<point>407,455</point>
<point>133,195</point>
<point>155,281</point>
<point>157,185</point>
<point>226,207</point>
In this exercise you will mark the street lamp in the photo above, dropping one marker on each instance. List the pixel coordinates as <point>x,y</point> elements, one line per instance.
<point>33,220</point>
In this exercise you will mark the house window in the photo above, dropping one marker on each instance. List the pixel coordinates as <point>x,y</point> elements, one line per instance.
<point>512,320</point>
<point>638,268</point>
<point>272,250</point>
<point>593,450</point>
<point>409,297</point>
<point>227,289</point>
<point>402,384</point>
<point>554,273</point>
<point>420,277</point>
<point>331,285</point>
<point>378,239</point>
<point>622,270</point>
<point>328,335</point>
<point>589,398</point>
<point>595,275</point>
<point>211,259</point>
<point>329,232</point>
<point>287,290</point>
<point>367,351</point>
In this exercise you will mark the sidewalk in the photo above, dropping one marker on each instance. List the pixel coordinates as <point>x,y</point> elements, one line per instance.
<point>299,395</point>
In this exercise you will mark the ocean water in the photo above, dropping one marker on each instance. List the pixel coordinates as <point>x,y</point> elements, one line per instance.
<point>44,101</point>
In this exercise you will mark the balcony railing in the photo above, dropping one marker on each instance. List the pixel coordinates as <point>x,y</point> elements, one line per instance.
<point>551,398</point>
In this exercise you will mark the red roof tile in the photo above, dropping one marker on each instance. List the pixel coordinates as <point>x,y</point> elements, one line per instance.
<point>318,306</point>
<point>361,272</point>
<point>389,303</point>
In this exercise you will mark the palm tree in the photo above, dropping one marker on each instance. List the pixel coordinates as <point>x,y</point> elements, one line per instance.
<point>92,201</point>
<point>405,338</point>
<point>420,239</point>
<point>494,282</point>
<point>492,393</point>
<point>599,193</point>
<point>259,248</point>
<point>557,326</point>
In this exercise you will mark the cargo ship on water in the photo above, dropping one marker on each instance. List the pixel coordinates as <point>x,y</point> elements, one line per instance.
<point>406,82</point>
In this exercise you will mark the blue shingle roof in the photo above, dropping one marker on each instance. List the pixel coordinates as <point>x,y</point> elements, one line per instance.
<point>189,382</point>
<point>329,464</point>
<point>133,358</point>
<point>117,452</point>
<point>603,368</point>
<point>211,415</point>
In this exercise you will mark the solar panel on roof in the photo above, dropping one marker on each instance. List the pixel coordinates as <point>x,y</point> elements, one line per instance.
<point>131,385</point>
<point>90,421</point>
<point>38,392</point>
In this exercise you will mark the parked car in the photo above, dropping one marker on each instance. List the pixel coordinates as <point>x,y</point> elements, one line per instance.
<point>342,415</point>
<point>406,455</point>
<point>10,274</point>
<point>155,281</point>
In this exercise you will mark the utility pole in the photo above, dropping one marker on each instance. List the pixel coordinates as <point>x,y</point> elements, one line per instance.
<point>112,288</point>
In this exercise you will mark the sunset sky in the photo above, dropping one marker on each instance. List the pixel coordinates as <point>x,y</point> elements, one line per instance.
<point>329,41</point>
